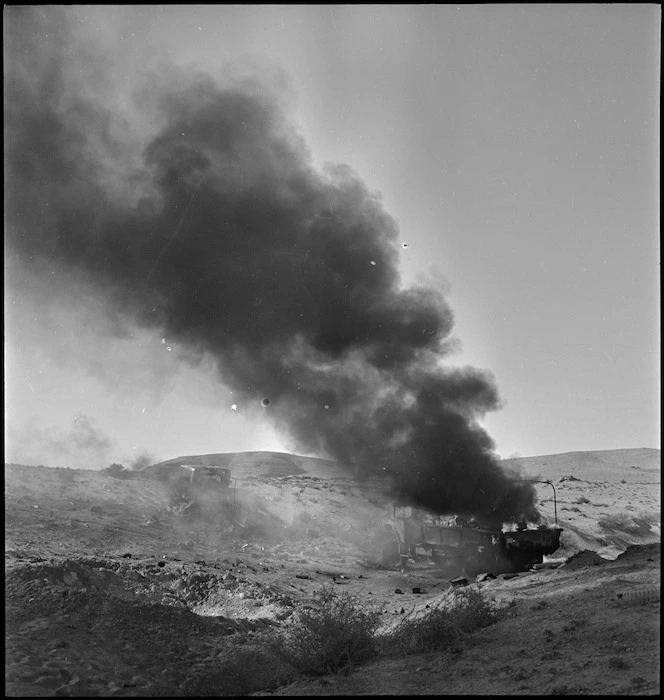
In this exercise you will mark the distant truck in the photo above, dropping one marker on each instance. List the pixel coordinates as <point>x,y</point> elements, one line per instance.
<point>463,547</point>
<point>200,490</point>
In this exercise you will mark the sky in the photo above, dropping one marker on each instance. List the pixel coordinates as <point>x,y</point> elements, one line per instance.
<point>515,146</point>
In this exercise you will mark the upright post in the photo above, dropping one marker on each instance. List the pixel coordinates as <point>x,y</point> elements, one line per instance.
<point>539,481</point>
<point>555,504</point>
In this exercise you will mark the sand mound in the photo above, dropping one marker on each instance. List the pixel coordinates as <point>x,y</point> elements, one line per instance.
<point>642,552</point>
<point>583,559</point>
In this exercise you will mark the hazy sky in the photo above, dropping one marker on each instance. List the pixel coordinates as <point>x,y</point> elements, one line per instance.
<point>517,146</point>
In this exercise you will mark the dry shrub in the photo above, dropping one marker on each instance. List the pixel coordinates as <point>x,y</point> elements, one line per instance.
<point>335,633</point>
<point>433,631</point>
<point>444,625</point>
<point>473,609</point>
<point>652,517</point>
<point>622,522</point>
<point>338,632</point>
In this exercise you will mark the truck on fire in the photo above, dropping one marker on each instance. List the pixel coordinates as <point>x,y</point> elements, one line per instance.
<point>464,546</point>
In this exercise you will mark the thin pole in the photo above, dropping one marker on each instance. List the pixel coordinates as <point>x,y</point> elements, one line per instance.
<point>539,481</point>
<point>555,504</point>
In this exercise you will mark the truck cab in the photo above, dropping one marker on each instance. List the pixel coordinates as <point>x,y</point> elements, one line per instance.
<point>205,489</point>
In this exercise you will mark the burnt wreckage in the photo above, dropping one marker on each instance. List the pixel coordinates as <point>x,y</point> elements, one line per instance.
<point>464,546</point>
<point>456,545</point>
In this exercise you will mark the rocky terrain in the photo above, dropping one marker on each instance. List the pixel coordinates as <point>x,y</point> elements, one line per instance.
<point>109,591</point>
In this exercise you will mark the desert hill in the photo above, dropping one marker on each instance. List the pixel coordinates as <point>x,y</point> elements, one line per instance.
<point>606,500</point>
<point>109,592</point>
<point>635,464</point>
<point>247,464</point>
<point>632,464</point>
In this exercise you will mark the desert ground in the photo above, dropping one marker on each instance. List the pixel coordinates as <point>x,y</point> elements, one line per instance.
<point>111,592</point>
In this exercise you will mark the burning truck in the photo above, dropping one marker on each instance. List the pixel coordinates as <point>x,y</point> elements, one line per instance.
<point>461,546</point>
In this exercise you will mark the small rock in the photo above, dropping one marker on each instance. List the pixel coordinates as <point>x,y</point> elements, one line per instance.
<point>398,590</point>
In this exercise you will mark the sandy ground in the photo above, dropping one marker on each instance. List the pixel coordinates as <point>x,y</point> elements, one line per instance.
<point>107,593</point>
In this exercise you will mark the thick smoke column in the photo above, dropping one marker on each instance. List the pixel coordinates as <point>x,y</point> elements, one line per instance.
<point>218,229</point>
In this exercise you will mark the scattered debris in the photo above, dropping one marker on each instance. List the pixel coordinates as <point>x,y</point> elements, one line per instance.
<point>550,564</point>
<point>484,577</point>
<point>463,581</point>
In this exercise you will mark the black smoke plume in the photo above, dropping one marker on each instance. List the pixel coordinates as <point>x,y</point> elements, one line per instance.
<point>198,211</point>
